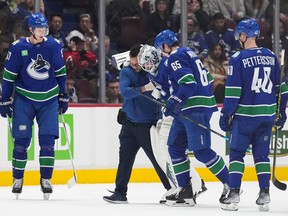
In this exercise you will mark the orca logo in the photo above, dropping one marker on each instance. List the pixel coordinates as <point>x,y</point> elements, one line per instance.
<point>38,69</point>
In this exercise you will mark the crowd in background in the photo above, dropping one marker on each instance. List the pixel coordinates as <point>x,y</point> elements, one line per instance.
<point>210,33</point>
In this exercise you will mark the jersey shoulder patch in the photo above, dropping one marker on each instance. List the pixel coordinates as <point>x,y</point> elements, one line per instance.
<point>235,55</point>
<point>15,42</point>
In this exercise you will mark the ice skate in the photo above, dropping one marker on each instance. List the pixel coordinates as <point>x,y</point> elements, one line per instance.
<point>17,187</point>
<point>182,196</point>
<point>263,200</point>
<point>203,188</point>
<point>224,193</point>
<point>167,193</point>
<point>232,200</point>
<point>46,188</point>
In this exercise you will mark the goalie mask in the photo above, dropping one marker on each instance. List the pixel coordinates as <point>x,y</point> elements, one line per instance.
<point>149,59</point>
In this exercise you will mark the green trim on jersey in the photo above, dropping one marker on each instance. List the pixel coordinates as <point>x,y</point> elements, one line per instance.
<point>236,167</point>
<point>61,72</point>
<point>187,79</point>
<point>263,168</point>
<point>256,110</point>
<point>231,91</point>
<point>200,101</point>
<point>39,96</point>
<point>9,75</point>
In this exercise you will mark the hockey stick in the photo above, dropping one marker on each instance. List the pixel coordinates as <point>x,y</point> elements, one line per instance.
<point>183,116</point>
<point>275,181</point>
<point>71,182</point>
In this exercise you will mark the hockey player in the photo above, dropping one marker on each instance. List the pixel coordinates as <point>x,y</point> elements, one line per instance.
<point>249,109</point>
<point>35,68</point>
<point>191,95</point>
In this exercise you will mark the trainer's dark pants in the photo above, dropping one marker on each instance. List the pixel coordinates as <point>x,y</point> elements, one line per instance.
<point>132,137</point>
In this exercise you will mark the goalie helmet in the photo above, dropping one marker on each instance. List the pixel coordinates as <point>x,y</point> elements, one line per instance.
<point>37,20</point>
<point>248,26</point>
<point>149,59</point>
<point>165,37</point>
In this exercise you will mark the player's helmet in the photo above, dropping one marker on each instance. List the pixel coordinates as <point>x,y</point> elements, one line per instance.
<point>37,20</point>
<point>248,26</point>
<point>149,59</point>
<point>165,37</point>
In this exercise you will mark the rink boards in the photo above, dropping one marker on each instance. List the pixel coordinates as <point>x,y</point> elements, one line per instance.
<point>93,136</point>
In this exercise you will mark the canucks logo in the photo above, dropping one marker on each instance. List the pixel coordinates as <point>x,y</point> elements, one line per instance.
<point>38,69</point>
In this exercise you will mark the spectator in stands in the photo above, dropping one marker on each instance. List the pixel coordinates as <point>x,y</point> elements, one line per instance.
<point>55,26</point>
<point>113,92</point>
<point>87,29</point>
<point>16,25</point>
<point>231,9</point>
<point>71,90</point>
<point>111,71</point>
<point>195,9</point>
<point>269,38</point>
<point>256,8</point>
<point>5,16</point>
<point>26,7</point>
<point>219,33</point>
<point>4,47</point>
<point>195,40</point>
<point>79,61</point>
<point>159,20</point>
<point>217,64</point>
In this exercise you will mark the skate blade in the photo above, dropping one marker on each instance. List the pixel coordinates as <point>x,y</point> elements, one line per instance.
<point>230,207</point>
<point>46,196</point>
<point>71,182</point>
<point>264,207</point>
<point>17,195</point>
<point>182,203</point>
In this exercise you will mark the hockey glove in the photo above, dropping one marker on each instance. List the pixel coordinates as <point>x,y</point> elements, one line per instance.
<point>280,121</point>
<point>6,108</point>
<point>63,100</point>
<point>173,106</point>
<point>225,121</point>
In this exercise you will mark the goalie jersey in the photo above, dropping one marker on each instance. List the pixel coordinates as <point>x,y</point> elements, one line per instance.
<point>37,70</point>
<point>252,85</point>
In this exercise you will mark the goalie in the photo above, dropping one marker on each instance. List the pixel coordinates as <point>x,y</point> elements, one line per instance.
<point>177,172</point>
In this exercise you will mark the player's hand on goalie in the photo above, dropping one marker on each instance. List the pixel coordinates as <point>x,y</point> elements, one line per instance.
<point>280,121</point>
<point>63,100</point>
<point>6,108</point>
<point>173,106</point>
<point>225,121</point>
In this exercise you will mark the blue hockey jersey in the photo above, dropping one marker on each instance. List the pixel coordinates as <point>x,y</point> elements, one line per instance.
<point>252,85</point>
<point>37,70</point>
<point>186,70</point>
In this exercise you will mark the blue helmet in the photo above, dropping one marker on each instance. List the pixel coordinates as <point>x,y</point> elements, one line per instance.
<point>37,20</point>
<point>165,37</point>
<point>248,26</point>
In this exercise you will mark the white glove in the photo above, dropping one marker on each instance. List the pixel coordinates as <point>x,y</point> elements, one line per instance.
<point>149,87</point>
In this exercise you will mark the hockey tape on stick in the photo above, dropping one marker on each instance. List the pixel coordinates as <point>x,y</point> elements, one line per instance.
<point>71,182</point>
<point>183,116</point>
<point>275,181</point>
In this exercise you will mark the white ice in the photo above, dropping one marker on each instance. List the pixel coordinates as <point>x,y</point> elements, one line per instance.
<point>86,200</point>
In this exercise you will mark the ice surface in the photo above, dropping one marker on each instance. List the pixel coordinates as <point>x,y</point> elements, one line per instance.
<point>86,200</point>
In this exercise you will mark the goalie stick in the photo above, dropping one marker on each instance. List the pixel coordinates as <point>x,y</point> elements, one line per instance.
<point>183,116</point>
<point>71,182</point>
<point>275,181</point>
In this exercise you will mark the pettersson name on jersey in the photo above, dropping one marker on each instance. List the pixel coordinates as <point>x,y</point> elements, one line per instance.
<point>258,60</point>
